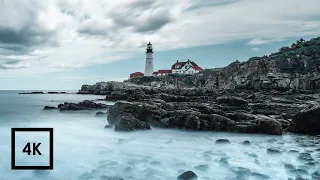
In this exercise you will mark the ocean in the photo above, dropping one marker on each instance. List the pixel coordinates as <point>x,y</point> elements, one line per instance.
<point>83,149</point>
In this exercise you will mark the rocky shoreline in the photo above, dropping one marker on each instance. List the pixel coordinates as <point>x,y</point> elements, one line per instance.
<point>242,111</point>
<point>50,92</point>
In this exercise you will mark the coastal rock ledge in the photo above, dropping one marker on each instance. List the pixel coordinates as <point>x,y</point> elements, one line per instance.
<point>128,116</point>
<point>271,94</point>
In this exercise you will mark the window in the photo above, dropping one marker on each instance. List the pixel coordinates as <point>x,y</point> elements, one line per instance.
<point>186,67</point>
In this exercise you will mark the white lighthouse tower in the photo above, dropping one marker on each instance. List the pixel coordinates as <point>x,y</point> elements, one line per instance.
<point>149,61</point>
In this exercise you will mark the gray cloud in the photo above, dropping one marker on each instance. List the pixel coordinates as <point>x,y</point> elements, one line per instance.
<point>11,64</point>
<point>142,4</point>
<point>141,16</point>
<point>29,35</point>
<point>154,22</point>
<point>12,61</point>
<point>23,30</point>
<point>93,30</point>
<point>205,3</point>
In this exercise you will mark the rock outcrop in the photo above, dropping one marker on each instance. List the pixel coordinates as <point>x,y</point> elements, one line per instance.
<point>190,116</point>
<point>307,121</point>
<point>266,94</point>
<point>84,105</point>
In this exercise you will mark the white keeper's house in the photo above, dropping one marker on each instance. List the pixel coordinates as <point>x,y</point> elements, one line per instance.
<point>187,67</point>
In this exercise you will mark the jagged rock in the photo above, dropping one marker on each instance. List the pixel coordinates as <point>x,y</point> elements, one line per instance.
<point>222,141</point>
<point>305,157</point>
<point>189,175</point>
<point>289,166</point>
<point>307,121</point>
<point>84,105</point>
<point>107,126</point>
<point>246,142</point>
<point>256,175</point>
<point>127,123</point>
<point>316,175</point>
<point>232,101</point>
<point>121,108</point>
<point>100,114</point>
<point>273,151</point>
<point>49,108</point>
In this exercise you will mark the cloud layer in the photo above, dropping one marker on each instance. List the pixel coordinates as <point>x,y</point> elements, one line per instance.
<point>47,36</point>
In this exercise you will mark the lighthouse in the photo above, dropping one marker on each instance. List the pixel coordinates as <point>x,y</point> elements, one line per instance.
<point>148,71</point>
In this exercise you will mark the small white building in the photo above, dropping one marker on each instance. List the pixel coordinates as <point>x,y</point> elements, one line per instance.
<point>188,67</point>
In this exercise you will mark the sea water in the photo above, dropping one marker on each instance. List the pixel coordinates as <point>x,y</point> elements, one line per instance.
<point>83,149</point>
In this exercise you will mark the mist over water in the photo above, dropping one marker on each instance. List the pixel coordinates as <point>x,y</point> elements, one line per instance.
<point>83,149</point>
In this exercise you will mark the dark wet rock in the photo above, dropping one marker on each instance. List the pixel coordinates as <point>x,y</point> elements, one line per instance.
<point>261,124</point>
<point>84,105</point>
<point>202,167</point>
<point>49,108</point>
<point>272,140</point>
<point>298,177</point>
<point>246,142</point>
<point>273,151</point>
<point>155,163</point>
<point>256,175</point>
<point>232,101</point>
<point>107,126</point>
<point>122,141</point>
<point>289,166</point>
<point>222,141</point>
<point>188,175</point>
<point>305,157</point>
<point>86,176</point>
<point>307,121</point>
<point>312,164</point>
<point>316,175</point>
<point>101,114</point>
<point>127,123</point>
<point>224,161</point>
<point>254,155</point>
<point>252,96</point>
<point>299,171</point>
<point>293,151</point>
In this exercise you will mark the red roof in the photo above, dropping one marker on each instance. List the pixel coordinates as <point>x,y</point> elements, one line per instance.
<point>155,73</point>
<point>137,73</point>
<point>197,68</point>
<point>165,71</point>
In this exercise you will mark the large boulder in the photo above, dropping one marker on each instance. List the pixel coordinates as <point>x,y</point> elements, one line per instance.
<point>306,121</point>
<point>188,175</point>
<point>49,108</point>
<point>123,108</point>
<point>129,123</point>
<point>261,124</point>
<point>84,105</point>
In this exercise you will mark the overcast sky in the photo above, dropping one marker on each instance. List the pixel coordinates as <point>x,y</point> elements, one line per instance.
<point>61,44</point>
